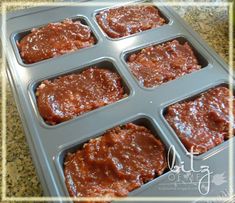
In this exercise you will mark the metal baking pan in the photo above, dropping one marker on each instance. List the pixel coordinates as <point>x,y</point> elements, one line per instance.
<point>49,144</point>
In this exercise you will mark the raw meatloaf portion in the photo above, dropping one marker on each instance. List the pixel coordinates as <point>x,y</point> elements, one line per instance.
<point>127,20</point>
<point>121,160</point>
<point>158,64</point>
<point>55,39</point>
<point>69,96</point>
<point>202,123</point>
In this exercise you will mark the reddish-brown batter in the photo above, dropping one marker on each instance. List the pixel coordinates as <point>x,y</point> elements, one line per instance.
<point>202,123</point>
<point>158,64</point>
<point>55,39</point>
<point>127,20</point>
<point>69,96</point>
<point>112,165</point>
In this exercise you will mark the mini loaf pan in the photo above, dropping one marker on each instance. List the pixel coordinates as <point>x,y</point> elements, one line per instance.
<point>104,63</point>
<point>203,61</point>
<point>134,2</point>
<point>144,106</point>
<point>191,98</point>
<point>16,37</point>
<point>140,120</point>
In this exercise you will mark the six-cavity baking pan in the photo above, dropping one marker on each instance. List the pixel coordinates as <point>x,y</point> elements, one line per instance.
<point>145,106</point>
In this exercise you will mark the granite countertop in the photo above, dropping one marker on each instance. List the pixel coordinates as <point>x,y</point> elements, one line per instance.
<point>210,22</point>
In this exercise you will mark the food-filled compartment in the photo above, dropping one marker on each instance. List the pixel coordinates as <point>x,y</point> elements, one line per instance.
<point>201,122</point>
<point>118,22</point>
<point>54,39</point>
<point>64,97</point>
<point>159,63</point>
<point>117,161</point>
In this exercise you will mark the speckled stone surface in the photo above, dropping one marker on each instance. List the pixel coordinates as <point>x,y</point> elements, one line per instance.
<point>210,22</point>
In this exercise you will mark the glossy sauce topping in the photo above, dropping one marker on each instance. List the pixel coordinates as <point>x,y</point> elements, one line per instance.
<point>158,64</point>
<point>202,123</point>
<point>112,165</point>
<point>127,20</point>
<point>69,96</point>
<point>55,39</point>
